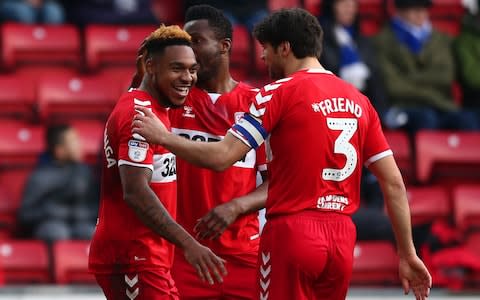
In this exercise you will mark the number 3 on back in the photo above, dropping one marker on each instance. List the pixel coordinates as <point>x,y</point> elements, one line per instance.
<point>348,126</point>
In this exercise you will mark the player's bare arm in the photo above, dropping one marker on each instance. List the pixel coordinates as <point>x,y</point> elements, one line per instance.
<point>214,223</point>
<point>413,273</point>
<point>216,156</point>
<point>150,210</point>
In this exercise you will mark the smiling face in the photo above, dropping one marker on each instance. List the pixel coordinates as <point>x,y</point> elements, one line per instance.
<point>207,48</point>
<point>173,73</point>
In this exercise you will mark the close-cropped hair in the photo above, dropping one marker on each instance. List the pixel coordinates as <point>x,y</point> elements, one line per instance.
<point>294,25</point>
<point>216,19</point>
<point>162,37</point>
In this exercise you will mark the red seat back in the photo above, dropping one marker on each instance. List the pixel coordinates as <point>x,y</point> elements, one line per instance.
<point>71,262</point>
<point>77,97</point>
<point>17,98</point>
<point>21,143</point>
<point>39,44</point>
<point>428,203</point>
<point>109,45</point>
<point>25,261</point>
<point>375,263</point>
<point>400,145</point>
<point>466,201</point>
<point>455,155</point>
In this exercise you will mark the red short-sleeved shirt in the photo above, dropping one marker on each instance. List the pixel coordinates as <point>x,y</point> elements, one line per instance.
<point>207,117</point>
<point>122,243</point>
<point>320,131</point>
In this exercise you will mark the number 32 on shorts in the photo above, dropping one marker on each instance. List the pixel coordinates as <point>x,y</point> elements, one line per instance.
<point>348,126</point>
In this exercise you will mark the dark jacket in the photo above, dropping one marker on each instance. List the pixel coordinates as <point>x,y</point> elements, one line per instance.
<point>423,80</point>
<point>63,192</point>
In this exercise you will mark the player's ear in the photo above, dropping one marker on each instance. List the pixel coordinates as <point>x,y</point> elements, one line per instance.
<point>226,45</point>
<point>285,48</point>
<point>149,65</point>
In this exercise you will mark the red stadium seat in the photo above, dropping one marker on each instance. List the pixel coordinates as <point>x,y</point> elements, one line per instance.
<point>454,155</point>
<point>241,56</point>
<point>400,145</point>
<point>17,97</point>
<point>25,261</point>
<point>12,182</point>
<point>108,45</point>
<point>64,98</point>
<point>278,4</point>
<point>21,143</point>
<point>91,136</point>
<point>71,262</point>
<point>313,6</point>
<point>428,204</point>
<point>38,44</point>
<point>375,263</point>
<point>466,202</point>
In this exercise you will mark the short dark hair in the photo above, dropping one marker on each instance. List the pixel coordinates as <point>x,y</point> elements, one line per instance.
<point>216,19</point>
<point>54,136</point>
<point>294,25</point>
<point>165,36</point>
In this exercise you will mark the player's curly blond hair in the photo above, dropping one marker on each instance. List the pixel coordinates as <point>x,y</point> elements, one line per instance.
<point>164,35</point>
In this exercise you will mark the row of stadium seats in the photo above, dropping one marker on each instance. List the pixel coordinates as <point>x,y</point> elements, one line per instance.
<point>28,261</point>
<point>92,50</point>
<point>70,261</point>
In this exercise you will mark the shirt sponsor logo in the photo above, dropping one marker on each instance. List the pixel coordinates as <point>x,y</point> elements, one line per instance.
<point>332,202</point>
<point>137,150</point>
<point>188,112</point>
<point>248,161</point>
<point>109,155</point>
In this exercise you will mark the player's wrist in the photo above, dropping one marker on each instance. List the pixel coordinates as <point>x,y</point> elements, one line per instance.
<point>187,242</point>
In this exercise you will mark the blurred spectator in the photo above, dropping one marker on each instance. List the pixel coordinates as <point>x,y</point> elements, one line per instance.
<point>60,200</point>
<point>417,64</point>
<point>467,51</point>
<point>246,12</point>
<point>348,53</point>
<point>84,12</point>
<point>31,11</point>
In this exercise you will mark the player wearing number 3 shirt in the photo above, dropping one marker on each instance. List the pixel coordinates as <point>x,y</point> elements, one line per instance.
<point>320,131</point>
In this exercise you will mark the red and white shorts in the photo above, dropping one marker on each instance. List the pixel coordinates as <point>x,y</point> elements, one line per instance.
<point>144,285</point>
<point>305,256</point>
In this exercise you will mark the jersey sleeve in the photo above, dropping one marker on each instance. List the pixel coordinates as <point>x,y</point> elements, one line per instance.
<point>134,150</point>
<point>376,145</point>
<point>263,115</point>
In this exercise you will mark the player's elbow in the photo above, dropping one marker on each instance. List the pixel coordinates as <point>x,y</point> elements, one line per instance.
<point>219,164</point>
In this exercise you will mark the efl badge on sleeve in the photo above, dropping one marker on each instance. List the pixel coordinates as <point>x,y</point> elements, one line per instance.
<point>137,150</point>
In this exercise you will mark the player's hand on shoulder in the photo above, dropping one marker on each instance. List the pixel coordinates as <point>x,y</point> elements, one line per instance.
<point>414,276</point>
<point>214,223</point>
<point>148,125</point>
<point>205,262</point>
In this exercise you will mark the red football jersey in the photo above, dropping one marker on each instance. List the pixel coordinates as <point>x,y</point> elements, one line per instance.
<point>321,130</point>
<point>207,117</point>
<point>122,243</point>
